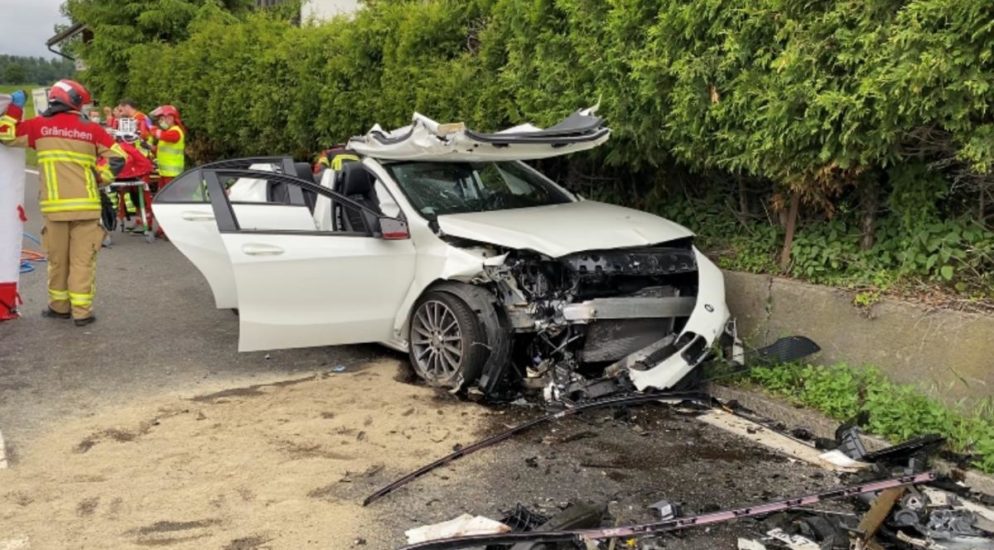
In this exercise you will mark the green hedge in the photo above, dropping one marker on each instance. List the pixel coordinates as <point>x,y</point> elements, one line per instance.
<point>876,114</point>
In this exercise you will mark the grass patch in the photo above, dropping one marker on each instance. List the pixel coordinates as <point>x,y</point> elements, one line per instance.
<point>29,112</point>
<point>896,411</point>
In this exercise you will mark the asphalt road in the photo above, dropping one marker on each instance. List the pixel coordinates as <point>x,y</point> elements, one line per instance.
<point>157,332</point>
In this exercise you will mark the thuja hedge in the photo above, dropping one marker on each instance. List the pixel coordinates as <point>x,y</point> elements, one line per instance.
<point>875,116</point>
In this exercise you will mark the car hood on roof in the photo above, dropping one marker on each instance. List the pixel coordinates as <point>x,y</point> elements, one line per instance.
<point>560,229</point>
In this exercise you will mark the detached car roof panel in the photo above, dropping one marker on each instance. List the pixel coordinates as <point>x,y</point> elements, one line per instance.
<point>427,140</point>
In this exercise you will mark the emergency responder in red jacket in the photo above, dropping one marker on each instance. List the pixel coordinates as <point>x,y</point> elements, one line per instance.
<point>170,143</point>
<point>68,146</point>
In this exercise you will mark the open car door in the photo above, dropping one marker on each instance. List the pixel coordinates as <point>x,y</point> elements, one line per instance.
<point>300,286</point>
<point>184,212</point>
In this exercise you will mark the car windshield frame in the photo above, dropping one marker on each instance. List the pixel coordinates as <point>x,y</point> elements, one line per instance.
<point>413,179</point>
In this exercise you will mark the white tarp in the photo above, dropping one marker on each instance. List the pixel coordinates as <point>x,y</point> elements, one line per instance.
<point>11,201</point>
<point>427,140</point>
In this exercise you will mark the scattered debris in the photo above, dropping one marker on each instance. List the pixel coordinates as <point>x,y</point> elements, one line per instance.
<point>748,429</point>
<point>749,544</point>
<point>665,509</point>
<point>875,517</point>
<point>893,513</point>
<point>459,452</point>
<point>793,542</point>
<point>460,526</point>
<point>841,460</point>
<point>850,444</point>
<point>902,453</point>
<point>521,518</point>
<point>583,536</point>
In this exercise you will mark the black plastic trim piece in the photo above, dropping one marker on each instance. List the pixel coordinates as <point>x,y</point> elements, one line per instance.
<point>224,216</point>
<point>304,233</point>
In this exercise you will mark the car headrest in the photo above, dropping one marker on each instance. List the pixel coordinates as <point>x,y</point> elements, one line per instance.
<point>356,180</point>
<point>303,171</point>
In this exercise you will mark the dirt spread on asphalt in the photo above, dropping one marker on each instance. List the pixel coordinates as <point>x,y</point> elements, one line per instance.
<point>267,466</point>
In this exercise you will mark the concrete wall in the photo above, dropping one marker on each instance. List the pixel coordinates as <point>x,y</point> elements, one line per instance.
<point>949,354</point>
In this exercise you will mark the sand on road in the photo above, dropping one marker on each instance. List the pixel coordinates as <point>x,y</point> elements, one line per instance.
<point>258,467</point>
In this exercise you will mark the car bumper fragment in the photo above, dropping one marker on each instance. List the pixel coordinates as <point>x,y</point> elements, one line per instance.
<point>709,321</point>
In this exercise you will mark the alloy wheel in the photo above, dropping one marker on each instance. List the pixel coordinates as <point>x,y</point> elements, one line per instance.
<point>437,341</point>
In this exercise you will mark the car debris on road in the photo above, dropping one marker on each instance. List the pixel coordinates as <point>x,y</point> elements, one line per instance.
<point>581,537</point>
<point>913,508</point>
<point>784,349</point>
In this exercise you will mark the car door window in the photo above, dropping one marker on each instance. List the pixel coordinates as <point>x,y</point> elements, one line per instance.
<point>191,188</point>
<point>276,215</point>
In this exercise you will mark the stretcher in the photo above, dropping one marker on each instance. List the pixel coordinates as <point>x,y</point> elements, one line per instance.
<point>143,208</point>
<point>135,178</point>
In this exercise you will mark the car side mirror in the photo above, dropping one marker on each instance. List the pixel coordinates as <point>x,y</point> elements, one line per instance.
<point>393,229</point>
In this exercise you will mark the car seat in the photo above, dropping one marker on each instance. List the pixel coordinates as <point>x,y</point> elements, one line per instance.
<point>304,172</point>
<point>356,183</point>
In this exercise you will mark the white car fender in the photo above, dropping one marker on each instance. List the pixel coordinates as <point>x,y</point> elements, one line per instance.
<point>437,261</point>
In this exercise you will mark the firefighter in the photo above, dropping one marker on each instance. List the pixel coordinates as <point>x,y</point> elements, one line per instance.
<point>68,146</point>
<point>170,140</point>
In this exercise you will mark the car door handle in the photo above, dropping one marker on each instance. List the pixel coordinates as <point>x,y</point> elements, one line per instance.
<point>255,249</point>
<point>198,217</point>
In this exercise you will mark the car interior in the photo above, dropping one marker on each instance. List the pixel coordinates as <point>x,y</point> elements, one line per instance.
<point>352,180</point>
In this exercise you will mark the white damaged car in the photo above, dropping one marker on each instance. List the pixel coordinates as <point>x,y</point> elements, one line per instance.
<point>441,242</point>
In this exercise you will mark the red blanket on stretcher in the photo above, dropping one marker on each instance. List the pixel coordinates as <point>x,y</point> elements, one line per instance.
<point>136,166</point>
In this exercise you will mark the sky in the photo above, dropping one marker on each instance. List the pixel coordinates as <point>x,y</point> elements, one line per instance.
<point>25,25</point>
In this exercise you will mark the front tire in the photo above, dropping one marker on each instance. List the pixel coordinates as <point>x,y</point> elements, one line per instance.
<point>447,344</point>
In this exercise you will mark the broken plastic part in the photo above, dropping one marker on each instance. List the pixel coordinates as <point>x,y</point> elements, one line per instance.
<point>902,452</point>
<point>521,518</point>
<point>575,516</point>
<point>788,349</point>
<point>665,509</point>
<point>847,436</point>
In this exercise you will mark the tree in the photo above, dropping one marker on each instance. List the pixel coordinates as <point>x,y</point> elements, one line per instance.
<point>121,26</point>
<point>15,74</point>
<point>33,70</point>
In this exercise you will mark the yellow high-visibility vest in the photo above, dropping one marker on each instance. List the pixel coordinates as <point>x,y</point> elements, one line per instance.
<point>170,155</point>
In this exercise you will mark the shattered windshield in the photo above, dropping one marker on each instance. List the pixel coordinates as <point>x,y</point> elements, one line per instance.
<point>438,188</point>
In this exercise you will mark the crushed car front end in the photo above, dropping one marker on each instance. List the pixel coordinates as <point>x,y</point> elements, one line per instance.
<point>592,322</point>
<point>591,298</point>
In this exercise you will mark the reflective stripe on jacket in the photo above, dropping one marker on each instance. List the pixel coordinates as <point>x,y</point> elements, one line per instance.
<point>169,155</point>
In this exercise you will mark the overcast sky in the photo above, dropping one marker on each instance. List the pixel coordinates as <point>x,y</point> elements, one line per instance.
<point>25,25</point>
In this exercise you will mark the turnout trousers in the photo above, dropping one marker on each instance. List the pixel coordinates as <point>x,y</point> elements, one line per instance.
<point>72,248</point>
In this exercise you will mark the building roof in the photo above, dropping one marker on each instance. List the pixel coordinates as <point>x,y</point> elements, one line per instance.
<point>66,34</point>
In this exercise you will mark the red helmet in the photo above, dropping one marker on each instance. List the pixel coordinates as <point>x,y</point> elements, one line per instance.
<point>70,93</point>
<point>166,110</point>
